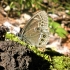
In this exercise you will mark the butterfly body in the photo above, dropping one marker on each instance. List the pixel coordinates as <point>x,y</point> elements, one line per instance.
<point>36,32</point>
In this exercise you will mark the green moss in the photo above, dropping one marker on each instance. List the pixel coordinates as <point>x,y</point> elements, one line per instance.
<point>57,62</point>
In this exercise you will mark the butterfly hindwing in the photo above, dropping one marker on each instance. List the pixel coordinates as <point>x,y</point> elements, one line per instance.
<point>36,31</point>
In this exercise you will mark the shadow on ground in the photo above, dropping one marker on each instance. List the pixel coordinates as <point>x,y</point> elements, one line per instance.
<point>38,63</point>
<point>14,56</point>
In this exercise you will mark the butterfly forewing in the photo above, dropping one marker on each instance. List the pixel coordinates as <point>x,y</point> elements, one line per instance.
<point>36,31</point>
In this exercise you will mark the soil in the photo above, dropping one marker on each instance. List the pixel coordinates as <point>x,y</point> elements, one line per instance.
<point>14,56</point>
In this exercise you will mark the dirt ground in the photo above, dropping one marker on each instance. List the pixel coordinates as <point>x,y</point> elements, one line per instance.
<point>14,56</point>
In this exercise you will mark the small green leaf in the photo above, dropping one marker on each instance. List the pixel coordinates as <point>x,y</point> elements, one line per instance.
<point>55,25</point>
<point>61,32</point>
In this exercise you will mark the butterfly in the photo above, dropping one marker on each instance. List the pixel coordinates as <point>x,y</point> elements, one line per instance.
<point>36,31</point>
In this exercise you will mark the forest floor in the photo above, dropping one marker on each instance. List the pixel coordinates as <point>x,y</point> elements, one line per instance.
<point>14,56</point>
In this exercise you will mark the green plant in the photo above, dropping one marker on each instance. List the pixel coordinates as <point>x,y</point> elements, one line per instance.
<point>55,27</point>
<point>60,63</point>
<point>67,6</point>
<point>34,4</point>
<point>24,4</point>
<point>17,6</point>
<point>56,62</point>
<point>55,1</point>
<point>12,37</point>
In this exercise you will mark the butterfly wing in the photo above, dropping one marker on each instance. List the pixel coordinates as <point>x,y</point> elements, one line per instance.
<point>36,31</point>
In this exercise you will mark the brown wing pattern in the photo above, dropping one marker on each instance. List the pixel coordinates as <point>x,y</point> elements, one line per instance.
<point>36,31</point>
